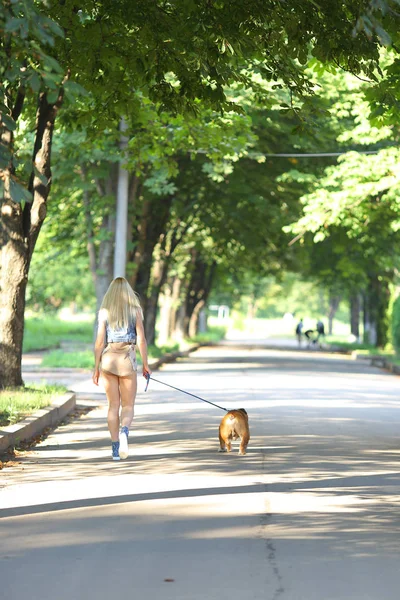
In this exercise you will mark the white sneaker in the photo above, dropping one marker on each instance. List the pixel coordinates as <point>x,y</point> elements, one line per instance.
<point>123,443</point>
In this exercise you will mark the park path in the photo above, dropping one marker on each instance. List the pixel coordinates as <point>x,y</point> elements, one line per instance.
<point>310,513</point>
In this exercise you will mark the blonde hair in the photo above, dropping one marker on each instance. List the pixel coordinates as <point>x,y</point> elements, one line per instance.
<point>120,304</point>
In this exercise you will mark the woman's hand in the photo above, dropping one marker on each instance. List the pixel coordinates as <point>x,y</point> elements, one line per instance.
<point>146,371</point>
<point>96,375</point>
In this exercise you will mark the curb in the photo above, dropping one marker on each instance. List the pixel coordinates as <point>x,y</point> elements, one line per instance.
<point>378,361</point>
<point>33,425</point>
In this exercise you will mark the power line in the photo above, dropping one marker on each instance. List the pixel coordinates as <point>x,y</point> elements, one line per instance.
<point>301,155</point>
<point>318,154</point>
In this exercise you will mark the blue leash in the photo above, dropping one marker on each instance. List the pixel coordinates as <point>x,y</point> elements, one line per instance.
<point>183,392</point>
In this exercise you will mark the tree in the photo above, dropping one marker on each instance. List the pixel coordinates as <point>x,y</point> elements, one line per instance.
<point>359,198</point>
<point>115,48</point>
<point>25,70</point>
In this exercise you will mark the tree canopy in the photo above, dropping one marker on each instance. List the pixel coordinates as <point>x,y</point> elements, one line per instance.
<point>208,91</point>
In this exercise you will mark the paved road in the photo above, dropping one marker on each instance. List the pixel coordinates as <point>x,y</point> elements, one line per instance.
<point>310,513</point>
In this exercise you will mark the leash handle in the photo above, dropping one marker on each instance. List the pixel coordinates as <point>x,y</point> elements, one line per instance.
<point>183,392</point>
<point>147,382</point>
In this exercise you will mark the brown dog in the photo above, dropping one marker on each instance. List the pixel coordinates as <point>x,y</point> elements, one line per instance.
<point>235,424</point>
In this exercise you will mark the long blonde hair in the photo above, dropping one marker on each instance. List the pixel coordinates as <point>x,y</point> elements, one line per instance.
<point>120,304</point>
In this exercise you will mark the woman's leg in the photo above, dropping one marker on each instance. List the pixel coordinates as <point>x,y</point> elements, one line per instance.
<point>127,388</point>
<point>114,400</point>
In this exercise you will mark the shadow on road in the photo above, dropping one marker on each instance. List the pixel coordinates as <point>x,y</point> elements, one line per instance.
<point>324,456</point>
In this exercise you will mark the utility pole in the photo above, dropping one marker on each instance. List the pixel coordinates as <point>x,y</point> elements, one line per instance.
<point>121,221</point>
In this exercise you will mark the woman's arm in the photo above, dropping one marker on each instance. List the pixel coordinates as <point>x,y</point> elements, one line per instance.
<point>98,349</point>
<point>142,344</point>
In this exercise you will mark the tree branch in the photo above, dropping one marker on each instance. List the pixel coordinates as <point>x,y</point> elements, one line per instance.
<point>19,103</point>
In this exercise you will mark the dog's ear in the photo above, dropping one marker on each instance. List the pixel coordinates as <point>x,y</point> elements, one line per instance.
<point>242,410</point>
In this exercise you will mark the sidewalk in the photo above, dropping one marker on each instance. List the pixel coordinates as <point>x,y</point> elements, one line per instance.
<point>72,467</point>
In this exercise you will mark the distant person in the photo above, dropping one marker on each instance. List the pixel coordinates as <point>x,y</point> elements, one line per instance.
<point>120,328</point>
<point>309,335</point>
<point>299,331</point>
<point>320,331</point>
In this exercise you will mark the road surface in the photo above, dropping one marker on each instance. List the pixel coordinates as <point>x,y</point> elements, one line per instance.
<point>310,513</point>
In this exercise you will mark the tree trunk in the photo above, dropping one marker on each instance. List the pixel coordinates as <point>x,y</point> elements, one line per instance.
<point>369,321</point>
<point>202,326</point>
<point>175,329</point>
<point>376,304</point>
<point>355,310</point>
<point>198,291</point>
<point>194,319</point>
<point>13,280</point>
<point>383,313</point>
<point>252,308</point>
<point>151,317</point>
<point>146,236</point>
<point>14,252</point>
<point>101,258</point>
<point>334,302</point>
<point>165,304</point>
<point>20,227</point>
<point>151,314</point>
<point>180,323</point>
<point>104,270</point>
<point>159,277</point>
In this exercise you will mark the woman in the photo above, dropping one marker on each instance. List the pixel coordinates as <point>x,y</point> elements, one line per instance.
<point>120,328</point>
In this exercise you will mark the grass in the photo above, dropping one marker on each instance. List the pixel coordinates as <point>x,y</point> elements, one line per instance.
<point>365,349</point>
<point>80,359</point>
<point>16,404</point>
<point>44,333</point>
<point>84,359</point>
<point>158,351</point>
<point>350,345</point>
<point>216,333</point>
<point>344,343</point>
<point>388,353</point>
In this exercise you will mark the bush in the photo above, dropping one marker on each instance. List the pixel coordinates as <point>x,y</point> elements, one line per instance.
<point>396,324</point>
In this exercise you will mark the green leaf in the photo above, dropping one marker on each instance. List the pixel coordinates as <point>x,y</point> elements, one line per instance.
<point>319,237</point>
<point>4,157</point>
<point>13,24</point>
<point>18,193</point>
<point>34,82</point>
<point>52,96</point>
<point>52,64</point>
<point>8,122</point>
<point>55,28</point>
<point>383,36</point>
<point>51,80</point>
<point>75,89</point>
